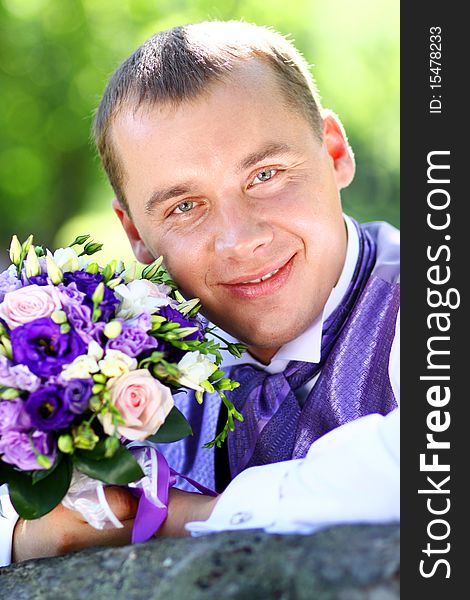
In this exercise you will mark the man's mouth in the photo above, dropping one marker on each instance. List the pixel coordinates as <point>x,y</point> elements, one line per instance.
<point>261,283</point>
<point>263,278</point>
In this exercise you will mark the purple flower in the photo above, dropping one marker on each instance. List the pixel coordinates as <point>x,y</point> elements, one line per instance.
<point>43,348</point>
<point>83,280</point>
<point>108,306</point>
<point>13,416</point>
<point>48,409</point>
<point>132,341</point>
<point>87,283</point>
<point>9,282</point>
<point>18,448</point>
<point>76,395</point>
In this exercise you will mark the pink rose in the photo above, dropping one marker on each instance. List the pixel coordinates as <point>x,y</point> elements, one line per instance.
<point>29,303</point>
<point>143,403</point>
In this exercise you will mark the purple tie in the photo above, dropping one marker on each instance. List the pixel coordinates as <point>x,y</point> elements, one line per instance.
<point>261,396</point>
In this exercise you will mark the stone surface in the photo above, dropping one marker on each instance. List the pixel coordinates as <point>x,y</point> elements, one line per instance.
<point>358,562</point>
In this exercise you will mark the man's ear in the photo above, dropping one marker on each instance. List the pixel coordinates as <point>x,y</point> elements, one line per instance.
<point>338,149</point>
<point>138,246</point>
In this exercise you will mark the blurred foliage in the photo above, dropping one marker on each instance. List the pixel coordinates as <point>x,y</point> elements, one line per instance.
<point>55,59</point>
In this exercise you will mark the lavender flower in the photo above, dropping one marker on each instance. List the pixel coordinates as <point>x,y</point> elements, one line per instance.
<point>69,294</point>
<point>132,341</point>
<point>9,282</point>
<point>79,317</point>
<point>48,409</point>
<point>17,376</point>
<point>43,348</point>
<point>13,416</point>
<point>18,448</point>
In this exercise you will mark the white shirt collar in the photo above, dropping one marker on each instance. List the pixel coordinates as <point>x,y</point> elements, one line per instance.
<point>307,347</point>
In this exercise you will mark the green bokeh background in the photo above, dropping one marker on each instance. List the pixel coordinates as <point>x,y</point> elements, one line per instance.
<point>55,59</point>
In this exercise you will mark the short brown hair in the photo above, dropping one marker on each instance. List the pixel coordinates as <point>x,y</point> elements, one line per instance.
<point>179,64</point>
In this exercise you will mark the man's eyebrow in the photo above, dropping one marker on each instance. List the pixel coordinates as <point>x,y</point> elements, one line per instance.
<point>270,149</point>
<point>160,196</point>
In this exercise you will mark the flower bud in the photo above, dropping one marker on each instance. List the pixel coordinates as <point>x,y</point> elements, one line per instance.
<point>7,346</point>
<point>65,444</point>
<point>111,444</point>
<point>112,283</point>
<point>15,251</point>
<point>94,403</point>
<point>129,274</point>
<point>44,461</point>
<point>59,317</point>
<point>84,437</point>
<point>152,269</point>
<point>53,271</point>
<point>189,306</point>
<point>98,294</point>
<point>10,393</point>
<point>92,248</point>
<point>27,245</point>
<point>80,240</point>
<point>33,268</point>
<point>93,268</point>
<point>113,329</point>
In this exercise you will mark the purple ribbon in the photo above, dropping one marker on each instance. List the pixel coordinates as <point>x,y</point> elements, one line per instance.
<point>152,511</point>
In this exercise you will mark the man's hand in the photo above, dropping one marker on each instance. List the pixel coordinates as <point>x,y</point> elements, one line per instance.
<point>62,531</point>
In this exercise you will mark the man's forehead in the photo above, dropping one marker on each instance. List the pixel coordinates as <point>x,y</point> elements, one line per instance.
<point>251,77</point>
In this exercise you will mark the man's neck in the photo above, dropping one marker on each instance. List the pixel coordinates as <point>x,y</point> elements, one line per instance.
<point>263,355</point>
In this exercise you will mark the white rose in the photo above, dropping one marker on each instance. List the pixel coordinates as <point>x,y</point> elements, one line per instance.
<point>195,368</point>
<point>140,296</point>
<point>67,259</point>
<point>115,363</point>
<point>81,367</point>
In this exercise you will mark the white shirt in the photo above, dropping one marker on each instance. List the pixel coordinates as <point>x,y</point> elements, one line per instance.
<point>349,475</point>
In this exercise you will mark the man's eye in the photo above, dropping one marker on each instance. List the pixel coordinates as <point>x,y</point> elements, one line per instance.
<point>185,206</point>
<point>264,175</point>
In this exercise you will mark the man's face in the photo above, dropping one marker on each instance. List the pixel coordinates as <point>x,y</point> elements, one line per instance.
<point>238,194</point>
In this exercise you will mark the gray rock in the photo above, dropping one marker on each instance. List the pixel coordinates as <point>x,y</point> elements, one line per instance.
<point>359,562</point>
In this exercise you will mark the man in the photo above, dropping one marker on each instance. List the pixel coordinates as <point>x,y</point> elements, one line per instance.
<point>221,159</point>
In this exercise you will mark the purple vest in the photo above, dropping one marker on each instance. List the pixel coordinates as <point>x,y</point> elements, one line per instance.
<point>356,369</point>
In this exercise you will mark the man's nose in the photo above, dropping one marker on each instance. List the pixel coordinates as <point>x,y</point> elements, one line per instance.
<point>241,233</point>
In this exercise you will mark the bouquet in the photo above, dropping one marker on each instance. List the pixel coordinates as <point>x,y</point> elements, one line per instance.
<point>89,359</point>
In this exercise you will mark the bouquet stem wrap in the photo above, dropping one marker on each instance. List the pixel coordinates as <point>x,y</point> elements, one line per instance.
<point>86,495</point>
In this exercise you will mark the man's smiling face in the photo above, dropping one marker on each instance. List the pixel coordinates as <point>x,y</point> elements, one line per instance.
<point>241,198</point>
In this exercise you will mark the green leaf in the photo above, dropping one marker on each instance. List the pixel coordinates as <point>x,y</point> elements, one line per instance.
<point>119,469</point>
<point>175,427</point>
<point>33,500</point>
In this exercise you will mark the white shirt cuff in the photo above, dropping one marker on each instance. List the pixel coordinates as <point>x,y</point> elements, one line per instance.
<point>8,519</point>
<point>251,501</point>
<point>350,475</point>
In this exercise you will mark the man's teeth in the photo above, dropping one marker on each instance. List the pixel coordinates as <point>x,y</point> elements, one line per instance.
<point>262,278</point>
